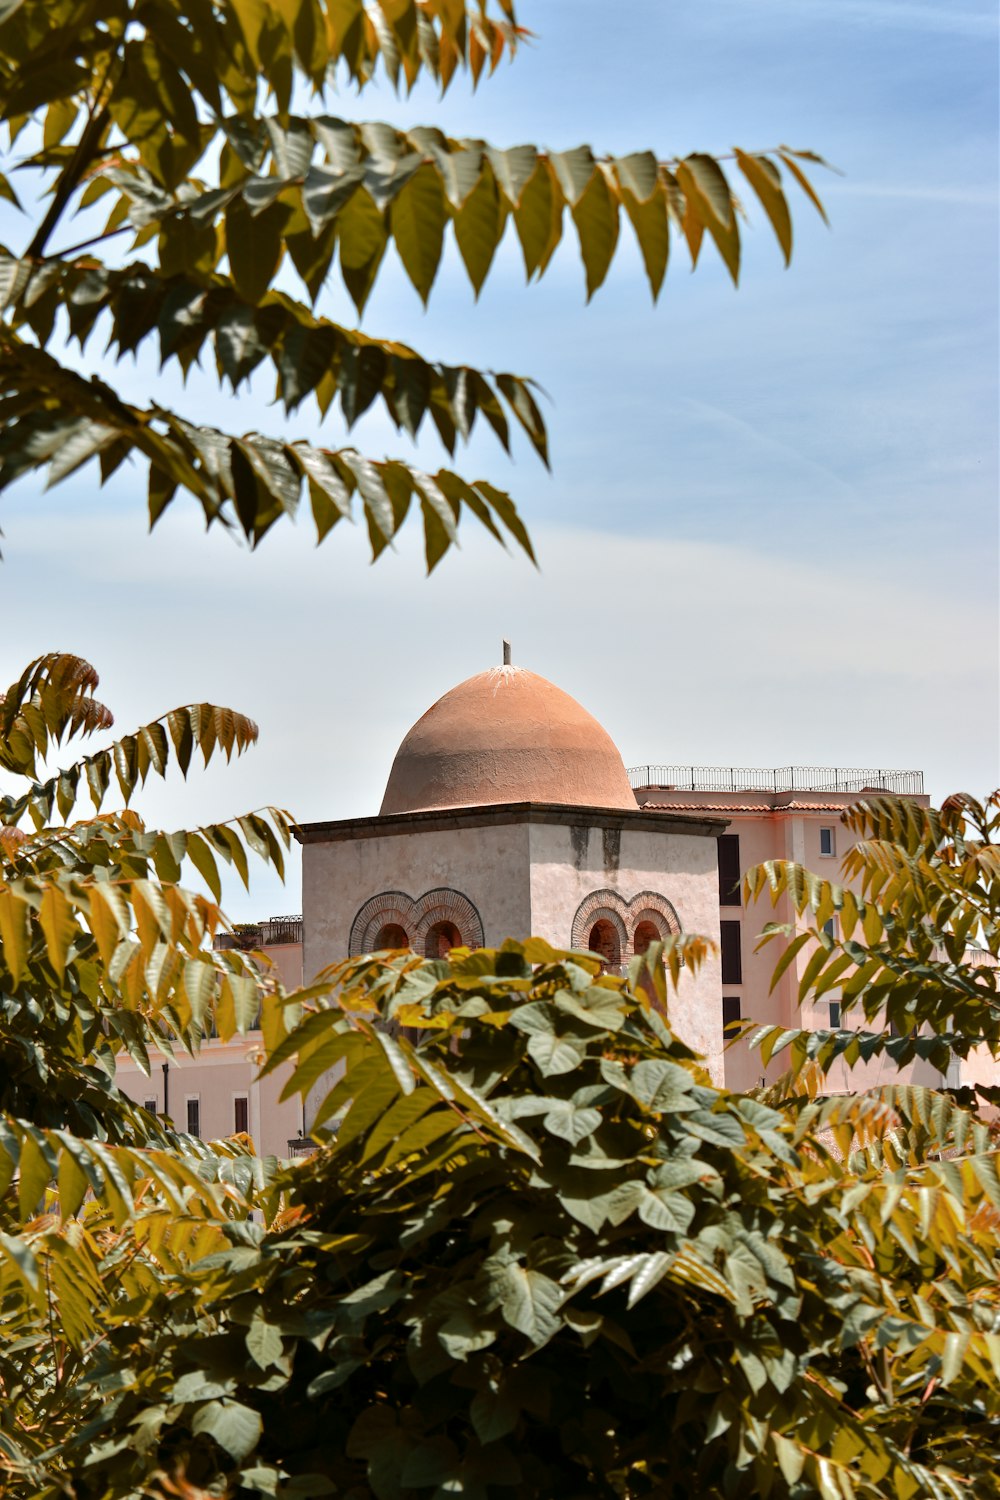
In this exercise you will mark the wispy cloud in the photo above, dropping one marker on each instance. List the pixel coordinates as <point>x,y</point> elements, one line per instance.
<point>972,197</point>
<point>956,19</point>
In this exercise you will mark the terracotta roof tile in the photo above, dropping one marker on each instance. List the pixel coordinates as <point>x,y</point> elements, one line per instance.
<point>745,807</point>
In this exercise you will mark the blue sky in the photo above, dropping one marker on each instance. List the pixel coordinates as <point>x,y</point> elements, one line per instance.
<point>770,534</point>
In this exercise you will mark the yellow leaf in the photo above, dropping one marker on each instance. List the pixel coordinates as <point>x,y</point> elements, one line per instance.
<point>57,921</point>
<point>15,933</point>
<point>765,179</point>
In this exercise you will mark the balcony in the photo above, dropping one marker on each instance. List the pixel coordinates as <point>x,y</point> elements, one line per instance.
<point>272,933</point>
<point>781,779</point>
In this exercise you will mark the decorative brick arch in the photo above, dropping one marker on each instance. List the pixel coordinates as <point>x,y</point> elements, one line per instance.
<point>415,917</point>
<point>388,906</point>
<point>600,906</point>
<point>444,905</point>
<point>650,907</point>
<point>625,916</point>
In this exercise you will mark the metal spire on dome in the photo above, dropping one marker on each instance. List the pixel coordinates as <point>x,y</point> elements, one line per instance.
<point>506,653</point>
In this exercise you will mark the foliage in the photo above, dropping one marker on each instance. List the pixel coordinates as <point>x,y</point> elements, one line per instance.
<point>100,946</point>
<point>537,1253</point>
<point>915,940</point>
<point>186,118</point>
<point>541,1255</point>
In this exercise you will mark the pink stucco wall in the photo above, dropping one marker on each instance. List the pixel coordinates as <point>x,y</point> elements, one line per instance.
<point>219,1073</point>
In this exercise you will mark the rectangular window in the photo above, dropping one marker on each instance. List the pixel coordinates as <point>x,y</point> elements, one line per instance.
<point>732,958</point>
<point>830,927</point>
<point>241,1114</point>
<point>834,1015</point>
<point>729,869</point>
<point>151,1105</point>
<point>193,1102</point>
<point>826,842</point>
<point>730,1016</point>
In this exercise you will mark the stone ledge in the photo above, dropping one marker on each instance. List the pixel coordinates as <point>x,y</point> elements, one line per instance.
<point>501,814</point>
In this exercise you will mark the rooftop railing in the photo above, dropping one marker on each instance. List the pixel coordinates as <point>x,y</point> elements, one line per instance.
<point>781,779</point>
<point>249,935</point>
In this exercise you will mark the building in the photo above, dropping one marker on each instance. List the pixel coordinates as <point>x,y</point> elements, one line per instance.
<point>508,811</point>
<point>217,1093</point>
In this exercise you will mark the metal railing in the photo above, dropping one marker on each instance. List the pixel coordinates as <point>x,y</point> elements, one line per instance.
<point>300,1147</point>
<point>274,932</point>
<point>781,779</point>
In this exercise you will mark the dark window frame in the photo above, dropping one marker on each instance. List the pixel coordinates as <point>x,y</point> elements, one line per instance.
<point>730,871</point>
<point>732,1015</point>
<point>731,945</point>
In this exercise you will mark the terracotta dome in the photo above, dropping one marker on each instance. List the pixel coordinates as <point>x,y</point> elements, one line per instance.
<point>506,735</point>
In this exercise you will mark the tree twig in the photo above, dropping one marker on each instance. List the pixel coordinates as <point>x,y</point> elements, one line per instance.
<point>69,181</point>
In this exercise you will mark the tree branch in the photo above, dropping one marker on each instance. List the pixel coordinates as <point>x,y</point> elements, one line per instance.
<point>69,181</point>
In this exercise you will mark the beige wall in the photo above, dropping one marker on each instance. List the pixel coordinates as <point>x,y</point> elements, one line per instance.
<point>566,868</point>
<point>487,864</point>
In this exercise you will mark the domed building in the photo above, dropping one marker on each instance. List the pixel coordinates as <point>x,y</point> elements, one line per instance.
<point>508,811</point>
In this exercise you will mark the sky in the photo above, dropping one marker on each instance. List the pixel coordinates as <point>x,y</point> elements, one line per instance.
<point>770,533</point>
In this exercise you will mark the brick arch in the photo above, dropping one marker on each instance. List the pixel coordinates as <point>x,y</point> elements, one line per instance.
<point>625,916</point>
<point>599,906</point>
<point>378,912</point>
<point>648,906</point>
<point>415,917</point>
<point>445,905</point>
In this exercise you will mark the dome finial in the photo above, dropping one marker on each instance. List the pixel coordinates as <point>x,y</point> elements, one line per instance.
<point>506,653</point>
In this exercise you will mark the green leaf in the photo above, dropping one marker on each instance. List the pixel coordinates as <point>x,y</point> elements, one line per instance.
<point>572,1123</point>
<point>556,1054</point>
<point>235,1428</point>
<point>538,220</point>
<point>478,228</point>
<point>21,1256</point>
<point>596,218</point>
<point>254,246</point>
<point>530,1303</point>
<point>361,241</point>
<point>264,1342</point>
<point>417,218</point>
<point>650,223</point>
<point>35,1174</point>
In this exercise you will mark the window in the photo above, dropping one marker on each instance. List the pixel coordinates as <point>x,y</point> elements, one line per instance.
<point>834,1014</point>
<point>151,1105</point>
<point>730,1016</point>
<point>441,938</point>
<point>729,869</point>
<point>830,927</point>
<point>826,842</point>
<point>603,940</point>
<point>193,1102</point>
<point>241,1114</point>
<point>732,958</point>
<point>392,935</point>
<point>645,933</point>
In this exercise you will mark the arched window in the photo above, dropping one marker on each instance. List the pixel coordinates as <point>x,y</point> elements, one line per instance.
<point>604,941</point>
<point>392,935</point>
<point>646,932</point>
<point>393,919</point>
<point>441,938</point>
